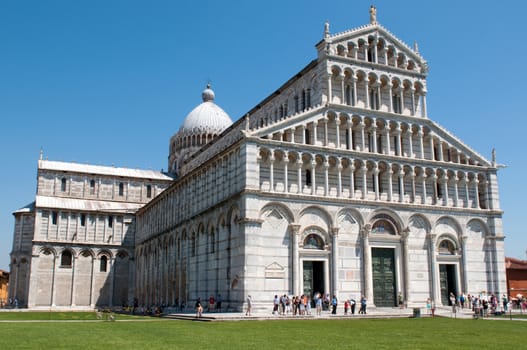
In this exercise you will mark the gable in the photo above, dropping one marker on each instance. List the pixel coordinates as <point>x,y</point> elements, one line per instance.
<point>374,44</point>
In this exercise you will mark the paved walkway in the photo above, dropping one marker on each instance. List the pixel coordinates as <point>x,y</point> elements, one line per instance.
<point>372,313</point>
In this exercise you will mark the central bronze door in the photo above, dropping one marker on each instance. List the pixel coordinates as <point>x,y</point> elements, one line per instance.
<point>383,274</point>
<point>313,277</point>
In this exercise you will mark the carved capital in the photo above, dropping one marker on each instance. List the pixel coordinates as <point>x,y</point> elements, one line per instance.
<point>294,228</point>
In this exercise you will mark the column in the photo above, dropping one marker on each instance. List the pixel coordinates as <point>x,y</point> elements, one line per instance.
<point>362,141</point>
<point>423,200</point>
<point>342,90</point>
<point>313,176</point>
<point>286,162</point>
<point>292,131</point>
<point>410,146</point>
<point>330,92</point>
<point>421,146</point>
<point>294,229</point>
<point>467,196</point>
<point>271,171</point>
<point>464,275</point>
<point>390,95</point>
<point>303,130</point>
<point>434,188</point>
<point>440,150</point>
<point>398,139</point>
<point>402,99</point>
<point>456,193</point>
<point>339,178</point>
<point>412,91</point>
<point>445,188</point>
<point>326,176</point>
<point>387,130</point>
<point>374,136</point>
<point>325,121</point>
<point>432,257</point>
<point>354,92</point>
<point>350,134</point>
<point>367,90</point>
<point>412,175</point>
<point>390,182</point>
<point>424,112</point>
<point>376,181</point>
<point>431,144</point>
<point>334,260</point>
<point>315,132</point>
<point>368,282</point>
<point>337,124</point>
<point>400,176</point>
<point>364,170</point>
<point>406,280</point>
<point>352,179</point>
<point>476,193</point>
<point>299,173</point>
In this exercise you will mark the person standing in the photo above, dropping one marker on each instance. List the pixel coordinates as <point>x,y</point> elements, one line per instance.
<point>212,302</point>
<point>218,303</point>
<point>318,304</point>
<point>199,308</point>
<point>249,305</point>
<point>334,305</point>
<point>362,305</point>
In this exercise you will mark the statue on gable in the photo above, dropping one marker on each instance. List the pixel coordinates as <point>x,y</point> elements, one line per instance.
<point>373,15</point>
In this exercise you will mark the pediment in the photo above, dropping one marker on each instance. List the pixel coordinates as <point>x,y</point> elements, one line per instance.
<point>349,44</point>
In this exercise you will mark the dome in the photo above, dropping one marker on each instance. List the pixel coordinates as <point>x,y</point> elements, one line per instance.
<point>201,126</point>
<point>206,118</point>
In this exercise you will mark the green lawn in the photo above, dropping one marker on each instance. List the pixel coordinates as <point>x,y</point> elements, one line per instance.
<point>150,333</point>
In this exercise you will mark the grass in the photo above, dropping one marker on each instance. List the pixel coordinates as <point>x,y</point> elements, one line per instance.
<point>58,316</point>
<point>150,333</point>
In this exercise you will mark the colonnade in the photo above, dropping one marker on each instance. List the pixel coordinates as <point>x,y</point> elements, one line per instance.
<point>293,171</point>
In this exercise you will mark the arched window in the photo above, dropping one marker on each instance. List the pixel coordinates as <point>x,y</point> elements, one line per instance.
<point>63,184</point>
<point>383,226</point>
<point>104,263</point>
<point>148,191</point>
<point>446,247</point>
<point>92,186</point>
<point>121,189</point>
<point>65,259</point>
<point>313,241</point>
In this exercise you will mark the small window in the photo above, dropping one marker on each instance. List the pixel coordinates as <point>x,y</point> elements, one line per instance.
<point>104,264</point>
<point>121,189</point>
<point>54,217</point>
<point>83,220</point>
<point>92,186</point>
<point>65,259</point>
<point>148,191</point>
<point>307,136</point>
<point>110,221</point>
<point>63,184</point>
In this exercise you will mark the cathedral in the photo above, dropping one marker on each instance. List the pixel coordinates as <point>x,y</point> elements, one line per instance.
<point>336,183</point>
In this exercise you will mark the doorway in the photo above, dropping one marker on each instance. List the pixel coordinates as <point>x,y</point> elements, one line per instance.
<point>383,275</point>
<point>313,277</point>
<point>447,282</point>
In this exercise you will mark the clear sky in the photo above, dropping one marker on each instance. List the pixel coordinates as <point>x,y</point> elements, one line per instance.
<point>108,82</point>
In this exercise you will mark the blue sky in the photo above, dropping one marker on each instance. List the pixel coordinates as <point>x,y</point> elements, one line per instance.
<point>108,82</point>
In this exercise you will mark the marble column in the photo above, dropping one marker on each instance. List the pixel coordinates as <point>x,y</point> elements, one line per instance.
<point>334,260</point>
<point>294,229</point>
<point>432,258</point>
<point>367,278</point>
